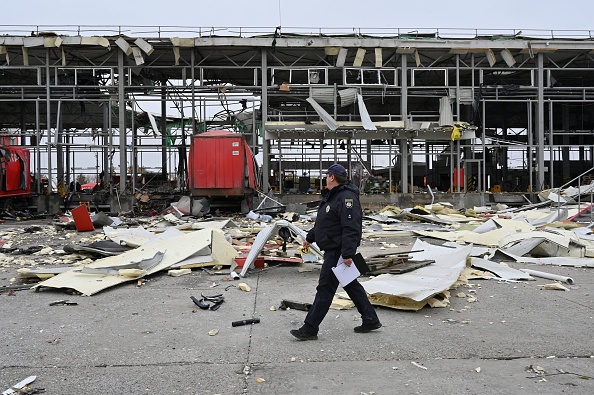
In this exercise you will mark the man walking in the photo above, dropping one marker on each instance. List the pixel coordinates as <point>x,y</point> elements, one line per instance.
<point>337,231</point>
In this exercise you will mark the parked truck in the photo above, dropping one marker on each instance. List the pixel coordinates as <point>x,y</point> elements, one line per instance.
<point>222,168</point>
<point>15,175</point>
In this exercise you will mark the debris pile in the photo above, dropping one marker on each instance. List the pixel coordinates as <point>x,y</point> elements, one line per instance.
<point>458,245</point>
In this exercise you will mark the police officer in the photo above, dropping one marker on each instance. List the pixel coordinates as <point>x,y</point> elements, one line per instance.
<point>337,232</point>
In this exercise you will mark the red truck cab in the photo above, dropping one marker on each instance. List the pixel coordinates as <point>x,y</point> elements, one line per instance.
<point>15,175</point>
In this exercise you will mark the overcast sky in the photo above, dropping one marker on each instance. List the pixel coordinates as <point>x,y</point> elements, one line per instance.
<point>477,14</point>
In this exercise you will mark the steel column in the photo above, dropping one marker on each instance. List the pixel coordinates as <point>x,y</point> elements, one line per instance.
<point>264,112</point>
<point>540,123</point>
<point>164,128</point>
<point>404,115</point>
<point>48,112</point>
<point>122,120</point>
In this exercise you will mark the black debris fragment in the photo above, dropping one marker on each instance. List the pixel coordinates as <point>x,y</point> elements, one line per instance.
<point>289,304</point>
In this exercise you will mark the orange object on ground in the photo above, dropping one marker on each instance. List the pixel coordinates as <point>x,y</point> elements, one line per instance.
<point>82,219</point>
<point>259,263</point>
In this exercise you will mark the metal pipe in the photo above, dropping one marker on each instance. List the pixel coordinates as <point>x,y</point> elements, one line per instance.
<point>549,276</point>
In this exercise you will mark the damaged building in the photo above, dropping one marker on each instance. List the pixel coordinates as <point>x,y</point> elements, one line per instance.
<point>473,150</point>
<point>503,113</point>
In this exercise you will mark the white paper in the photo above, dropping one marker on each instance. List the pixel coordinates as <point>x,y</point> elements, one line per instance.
<point>345,274</point>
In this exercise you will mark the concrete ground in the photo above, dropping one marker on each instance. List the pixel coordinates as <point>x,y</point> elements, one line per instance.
<point>515,339</point>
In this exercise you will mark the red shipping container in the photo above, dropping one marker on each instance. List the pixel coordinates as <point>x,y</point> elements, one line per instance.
<point>220,164</point>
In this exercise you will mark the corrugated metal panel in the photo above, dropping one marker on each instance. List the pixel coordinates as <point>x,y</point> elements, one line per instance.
<point>347,96</point>
<point>365,118</point>
<point>446,118</point>
<point>327,118</point>
<point>466,95</point>
<point>217,162</point>
<point>226,163</point>
<point>266,234</point>
<point>323,95</point>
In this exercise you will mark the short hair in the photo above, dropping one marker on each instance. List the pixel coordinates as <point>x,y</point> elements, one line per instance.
<point>340,179</point>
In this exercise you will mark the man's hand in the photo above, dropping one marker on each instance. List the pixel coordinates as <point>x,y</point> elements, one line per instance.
<point>348,261</point>
<point>305,248</point>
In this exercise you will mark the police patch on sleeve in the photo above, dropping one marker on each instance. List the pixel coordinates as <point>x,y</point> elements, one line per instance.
<point>348,203</point>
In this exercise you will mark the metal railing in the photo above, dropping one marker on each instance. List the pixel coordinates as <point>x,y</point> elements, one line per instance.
<point>165,31</point>
<point>589,191</point>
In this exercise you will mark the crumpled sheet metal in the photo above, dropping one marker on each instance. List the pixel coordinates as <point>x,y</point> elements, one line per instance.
<point>555,242</point>
<point>511,239</point>
<point>421,284</point>
<point>507,233</point>
<point>221,224</point>
<point>266,234</point>
<point>553,216</point>
<point>176,249</point>
<point>143,265</point>
<point>501,271</point>
<point>489,234</point>
<point>555,261</point>
<point>132,237</point>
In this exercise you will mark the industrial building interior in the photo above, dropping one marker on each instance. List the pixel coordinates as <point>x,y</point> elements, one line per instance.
<point>457,111</point>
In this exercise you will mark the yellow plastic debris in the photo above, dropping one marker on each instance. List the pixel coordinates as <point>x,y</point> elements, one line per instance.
<point>455,133</point>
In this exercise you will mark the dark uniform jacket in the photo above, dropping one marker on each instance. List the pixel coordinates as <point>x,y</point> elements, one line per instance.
<point>339,222</point>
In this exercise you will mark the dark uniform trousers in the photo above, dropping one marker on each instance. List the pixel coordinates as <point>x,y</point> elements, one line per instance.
<point>327,286</point>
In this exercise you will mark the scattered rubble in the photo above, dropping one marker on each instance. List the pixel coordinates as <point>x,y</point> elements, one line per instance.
<point>21,387</point>
<point>478,242</point>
